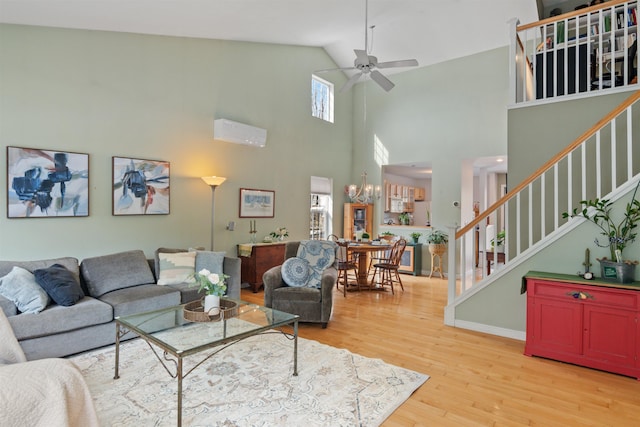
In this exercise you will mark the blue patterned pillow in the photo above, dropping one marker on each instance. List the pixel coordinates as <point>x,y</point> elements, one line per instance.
<point>296,272</point>
<point>320,254</point>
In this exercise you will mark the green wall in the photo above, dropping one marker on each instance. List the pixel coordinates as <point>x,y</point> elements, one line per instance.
<point>151,97</point>
<point>536,134</point>
<point>441,114</point>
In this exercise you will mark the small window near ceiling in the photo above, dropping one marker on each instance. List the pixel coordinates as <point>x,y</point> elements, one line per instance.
<point>321,99</point>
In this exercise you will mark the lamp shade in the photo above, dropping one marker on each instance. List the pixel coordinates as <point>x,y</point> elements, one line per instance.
<point>213,180</point>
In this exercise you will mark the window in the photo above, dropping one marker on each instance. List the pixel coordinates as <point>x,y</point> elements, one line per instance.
<point>321,99</point>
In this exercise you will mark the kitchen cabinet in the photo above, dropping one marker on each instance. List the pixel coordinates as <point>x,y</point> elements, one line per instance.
<point>255,262</point>
<point>419,194</point>
<point>357,217</point>
<point>400,198</point>
<point>588,323</point>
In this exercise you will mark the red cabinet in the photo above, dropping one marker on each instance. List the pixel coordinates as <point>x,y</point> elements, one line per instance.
<point>588,323</point>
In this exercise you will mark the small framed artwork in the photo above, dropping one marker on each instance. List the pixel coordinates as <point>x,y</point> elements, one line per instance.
<point>257,203</point>
<point>140,187</point>
<point>46,183</point>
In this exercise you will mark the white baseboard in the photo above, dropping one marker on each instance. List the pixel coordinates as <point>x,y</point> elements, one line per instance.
<point>493,330</point>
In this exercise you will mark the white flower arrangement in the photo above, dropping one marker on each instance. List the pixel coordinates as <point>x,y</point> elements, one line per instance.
<point>211,283</point>
<point>280,233</point>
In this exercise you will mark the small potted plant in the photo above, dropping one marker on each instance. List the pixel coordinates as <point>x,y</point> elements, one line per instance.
<point>618,235</point>
<point>280,234</point>
<point>214,286</point>
<point>365,237</point>
<point>415,236</point>
<point>387,235</point>
<point>498,241</point>
<point>437,240</point>
<point>404,218</point>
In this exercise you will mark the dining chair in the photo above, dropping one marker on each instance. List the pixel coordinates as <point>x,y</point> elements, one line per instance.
<point>388,268</point>
<point>377,257</point>
<point>347,263</point>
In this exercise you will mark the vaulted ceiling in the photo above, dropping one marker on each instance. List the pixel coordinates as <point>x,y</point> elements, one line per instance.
<point>431,31</point>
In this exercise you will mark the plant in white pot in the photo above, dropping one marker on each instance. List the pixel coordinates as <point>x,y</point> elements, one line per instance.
<point>437,240</point>
<point>618,235</point>
<point>214,287</point>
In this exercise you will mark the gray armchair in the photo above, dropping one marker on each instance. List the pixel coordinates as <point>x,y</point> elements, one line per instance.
<point>311,304</point>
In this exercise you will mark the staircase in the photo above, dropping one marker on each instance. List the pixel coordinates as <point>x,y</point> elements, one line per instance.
<point>600,163</point>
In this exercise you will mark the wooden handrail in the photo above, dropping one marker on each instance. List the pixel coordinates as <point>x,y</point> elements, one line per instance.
<point>549,164</point>
<point>583,11</point>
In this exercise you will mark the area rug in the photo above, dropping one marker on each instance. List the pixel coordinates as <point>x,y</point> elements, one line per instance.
<point>248,384</point>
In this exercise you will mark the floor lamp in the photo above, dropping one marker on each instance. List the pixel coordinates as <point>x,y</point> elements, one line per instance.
<point>213,182</point>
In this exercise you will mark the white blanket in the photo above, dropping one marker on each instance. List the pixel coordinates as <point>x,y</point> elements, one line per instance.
<point>47,393</point>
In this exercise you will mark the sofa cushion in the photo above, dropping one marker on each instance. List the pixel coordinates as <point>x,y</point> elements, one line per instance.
<point>60,284</point>
<point>57,319</point>
<point>141,298</point>
<point>176,268</point>
<point>212,261</point>
<point>20,286</point>
<point>121,270</point>
<point>70,263</point>
<point>307,294</point>
<point>8,307</point>
<point>296,272</point>
<point>10,350</point>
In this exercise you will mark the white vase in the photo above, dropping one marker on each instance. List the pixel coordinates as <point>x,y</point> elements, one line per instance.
<point>212,304</point>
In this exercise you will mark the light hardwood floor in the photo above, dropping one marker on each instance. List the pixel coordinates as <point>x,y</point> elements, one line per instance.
<point>476,379</point>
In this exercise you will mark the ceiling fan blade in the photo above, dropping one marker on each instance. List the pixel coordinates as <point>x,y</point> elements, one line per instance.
<point>402,63</point>
<point>334,69</point>
<point>350,82</point>
<point>384,82</point>
<point>361,56</point>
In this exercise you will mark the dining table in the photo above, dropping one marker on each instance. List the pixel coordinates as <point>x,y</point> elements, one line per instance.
<point>363,249</point>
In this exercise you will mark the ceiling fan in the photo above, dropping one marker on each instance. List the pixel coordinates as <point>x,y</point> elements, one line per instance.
<point>368,64</point>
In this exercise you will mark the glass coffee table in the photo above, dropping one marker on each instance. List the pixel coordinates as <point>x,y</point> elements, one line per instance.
<point>167,332</point>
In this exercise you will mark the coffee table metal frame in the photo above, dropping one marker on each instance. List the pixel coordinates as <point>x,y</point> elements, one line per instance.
<point>172,357</point>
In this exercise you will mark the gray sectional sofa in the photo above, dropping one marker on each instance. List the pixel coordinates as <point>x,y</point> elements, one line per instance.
<point>114,285</point>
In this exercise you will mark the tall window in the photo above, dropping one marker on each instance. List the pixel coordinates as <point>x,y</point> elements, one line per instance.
<point>321,99</point>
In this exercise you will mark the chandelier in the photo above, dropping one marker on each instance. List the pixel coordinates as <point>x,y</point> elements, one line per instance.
<point>366,193</point>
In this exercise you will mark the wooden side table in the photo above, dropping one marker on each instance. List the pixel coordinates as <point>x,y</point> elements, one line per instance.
<point>262,257</point>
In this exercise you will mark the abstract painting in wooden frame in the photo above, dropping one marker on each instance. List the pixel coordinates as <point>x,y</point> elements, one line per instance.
<point>140,187</point>
<point>47,183</point>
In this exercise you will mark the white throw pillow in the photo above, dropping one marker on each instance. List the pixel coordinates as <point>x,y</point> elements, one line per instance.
<point>21,288</point>
<point>176,268</point>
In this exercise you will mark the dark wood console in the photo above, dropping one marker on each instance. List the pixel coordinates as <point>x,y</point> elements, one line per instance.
<point>591,323</point>
<point>261,258</point>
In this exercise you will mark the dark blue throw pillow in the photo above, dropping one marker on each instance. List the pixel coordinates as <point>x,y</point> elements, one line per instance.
<point>60,284</point>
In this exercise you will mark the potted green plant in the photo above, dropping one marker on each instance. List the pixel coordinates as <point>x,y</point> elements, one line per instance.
<point>404,218</point>
<point>498,241</point>
<point>437,240</point>
<point>618,235</point>
<point>415,236</point>
<point>365,237</point>
<point>387,235</point>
